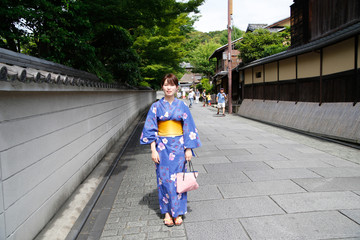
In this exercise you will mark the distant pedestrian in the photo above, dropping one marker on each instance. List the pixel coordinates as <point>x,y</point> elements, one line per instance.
<point>197,96</point>
<point>204,97</point>
<point>208,97</point>
<point>221,99</point>
<point>170,130</point>
<point>178,94</point>
<point>191,97</point>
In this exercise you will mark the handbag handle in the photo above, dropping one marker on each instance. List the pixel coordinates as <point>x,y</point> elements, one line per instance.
<point>190,167</point>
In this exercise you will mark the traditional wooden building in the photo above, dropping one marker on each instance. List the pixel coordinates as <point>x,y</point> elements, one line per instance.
<point>274,27</point>
<point>319,73</point>
<point>220,79</point>
<point>189,79</point>
<point>321,66</point>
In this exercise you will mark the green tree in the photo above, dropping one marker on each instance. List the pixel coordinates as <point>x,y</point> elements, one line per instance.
<point>161,49</point>
<point>193,40</point>
<point>157,29</point>
<point>94,35</point>
<point>216,36</point>
<point>262,43</point>
<point>114,50</point>
<point>12,35</point>
<point>235,34</point>
<point>56,30</point>
<point>205,84</point>
<point>200,58</point>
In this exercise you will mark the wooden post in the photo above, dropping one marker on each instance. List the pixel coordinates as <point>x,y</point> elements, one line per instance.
<point>229,57</point>
<point>264,83</point>
<point>252,83</point>
<point>278,82</point>
<point>321,73</point>
<point>356,84</point>
<point>296,80</point>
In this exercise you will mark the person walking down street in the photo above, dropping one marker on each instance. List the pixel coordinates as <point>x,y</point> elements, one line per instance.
<point>204,97</point>
<point>197,96</point>
<point>208,97</point>
<point>221,99</point>
<point>191,97</point>
<point>170,130</point>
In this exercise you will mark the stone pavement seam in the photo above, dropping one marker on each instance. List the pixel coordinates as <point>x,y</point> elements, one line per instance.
<point>278,204</point>
<point>299,185</point>
<point>247,234</point>
<point>220,192</point>
<point>341,212</point>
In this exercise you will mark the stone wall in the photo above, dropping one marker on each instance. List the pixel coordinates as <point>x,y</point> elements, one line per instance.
<point>335,120</point>
<point>56,124</point>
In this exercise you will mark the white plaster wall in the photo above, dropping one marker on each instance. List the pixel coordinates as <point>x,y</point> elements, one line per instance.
<point>336,120</point>
<point>49,142</point>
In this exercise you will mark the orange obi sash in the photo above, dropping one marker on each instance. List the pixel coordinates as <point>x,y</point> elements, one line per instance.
<point>170,128</point>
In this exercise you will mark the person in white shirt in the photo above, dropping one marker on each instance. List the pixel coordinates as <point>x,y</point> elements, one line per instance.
<point>191,97</point>
<point>197,96</point>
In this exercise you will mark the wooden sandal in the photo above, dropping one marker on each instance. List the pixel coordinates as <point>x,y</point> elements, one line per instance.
<point>168,222</point>
<point>178,221</point>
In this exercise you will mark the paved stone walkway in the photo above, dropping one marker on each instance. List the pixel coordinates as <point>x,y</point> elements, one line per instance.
<point>256,182</point>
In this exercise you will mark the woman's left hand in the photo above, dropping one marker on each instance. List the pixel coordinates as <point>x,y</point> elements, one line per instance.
<point>188,154</point>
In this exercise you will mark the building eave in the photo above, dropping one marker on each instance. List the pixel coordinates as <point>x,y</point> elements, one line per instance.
<point>223,48</point>
<point>278,23</point>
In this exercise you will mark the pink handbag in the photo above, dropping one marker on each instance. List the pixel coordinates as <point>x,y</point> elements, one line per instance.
<point>186,181</point>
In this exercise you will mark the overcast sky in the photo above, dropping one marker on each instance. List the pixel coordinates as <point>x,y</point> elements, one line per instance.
<point>214,13</point>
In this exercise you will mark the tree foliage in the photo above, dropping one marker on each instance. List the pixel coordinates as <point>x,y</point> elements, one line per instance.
<point>161,48</point>
<point>200,58</point>
<point>47,29</point>
<point>205,84</point>
<point>200,46</point>
<point>235,34</point>
<point>262,43</point>
<point>99,36</point>
<point>194,39</point>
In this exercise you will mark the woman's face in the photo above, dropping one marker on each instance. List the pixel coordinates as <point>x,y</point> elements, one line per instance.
<point>168,89</point>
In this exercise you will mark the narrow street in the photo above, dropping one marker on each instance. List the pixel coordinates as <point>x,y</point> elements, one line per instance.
<point>256,182</point>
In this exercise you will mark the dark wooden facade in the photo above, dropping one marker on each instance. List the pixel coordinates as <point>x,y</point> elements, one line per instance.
<point>323,30</point>
<point>235,85</point>
<point>299,23</point>
<point>314,19</point>
<point>340,87</point>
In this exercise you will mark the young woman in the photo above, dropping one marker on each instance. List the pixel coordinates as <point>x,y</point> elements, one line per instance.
<point>170,130</point>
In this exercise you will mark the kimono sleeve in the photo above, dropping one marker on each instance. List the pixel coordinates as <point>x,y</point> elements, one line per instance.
<point>191,135</point>
<point>150,130</point>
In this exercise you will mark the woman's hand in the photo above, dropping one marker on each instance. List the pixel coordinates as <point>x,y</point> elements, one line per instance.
<point>188,154</point>
<point>154,154</point>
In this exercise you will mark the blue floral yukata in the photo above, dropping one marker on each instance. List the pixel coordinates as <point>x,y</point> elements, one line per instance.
<point>171,151</point>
